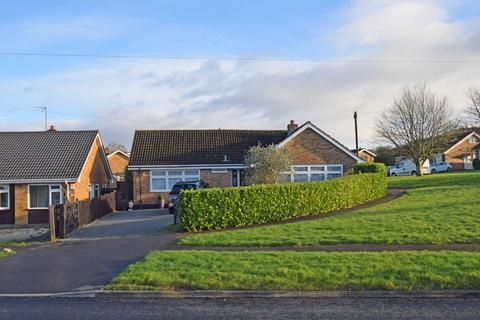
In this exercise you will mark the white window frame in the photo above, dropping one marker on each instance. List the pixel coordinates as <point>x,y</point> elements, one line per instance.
<point>219,170</point>
<point>309,171</point>
<point>49,195</point>
<point>183,177</point>
<point>473,139</point>
<point>7,191</point>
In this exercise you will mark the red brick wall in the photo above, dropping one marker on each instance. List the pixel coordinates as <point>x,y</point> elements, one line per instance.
<point>219,180</point>
<point>456,155</point>
<point>310,148</point>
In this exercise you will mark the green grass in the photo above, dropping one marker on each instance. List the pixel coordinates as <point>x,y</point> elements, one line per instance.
<point>4,253</point>
<point>438,209</point>
<point>406,270</point>
<point>14,243</point>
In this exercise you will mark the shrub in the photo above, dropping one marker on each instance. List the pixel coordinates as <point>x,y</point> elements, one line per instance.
<point>476,164</point>
<point>370,167</point>
<point>239,206</point>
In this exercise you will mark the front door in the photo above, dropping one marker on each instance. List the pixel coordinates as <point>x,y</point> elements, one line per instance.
<point>468,163</point>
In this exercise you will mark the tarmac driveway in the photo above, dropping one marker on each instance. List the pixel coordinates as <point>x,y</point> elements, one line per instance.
<point>90,258</point>
<point>125,223</point>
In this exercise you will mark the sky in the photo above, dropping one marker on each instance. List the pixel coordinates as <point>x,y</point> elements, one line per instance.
<point>117,66</point>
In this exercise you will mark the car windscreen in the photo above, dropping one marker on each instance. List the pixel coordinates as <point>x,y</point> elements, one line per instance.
<point>176,188</point>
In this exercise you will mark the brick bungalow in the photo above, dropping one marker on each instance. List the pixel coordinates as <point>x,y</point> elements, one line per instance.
<point>118,161</point>
<point>38,169</point>
<point>160,158</point>
<point>365,154</point>
<point>464,147</point>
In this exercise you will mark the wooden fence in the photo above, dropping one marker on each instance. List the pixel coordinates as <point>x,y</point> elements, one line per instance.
<point>65,218</point>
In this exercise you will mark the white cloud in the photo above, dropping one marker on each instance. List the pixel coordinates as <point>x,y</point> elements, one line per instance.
<point>194,94</point>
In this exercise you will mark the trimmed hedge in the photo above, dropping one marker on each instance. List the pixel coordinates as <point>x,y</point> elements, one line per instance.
<point>370,167</point>
<point>215,208</point>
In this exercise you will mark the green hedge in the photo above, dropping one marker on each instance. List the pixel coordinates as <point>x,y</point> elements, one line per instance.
<point>215,208</point>
<point>370,167</point>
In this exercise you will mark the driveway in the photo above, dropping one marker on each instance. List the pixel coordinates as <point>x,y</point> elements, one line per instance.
<point>90,260</point>
<point>125,223</point>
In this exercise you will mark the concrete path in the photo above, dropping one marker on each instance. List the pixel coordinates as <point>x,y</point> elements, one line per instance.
<point>126,223</point>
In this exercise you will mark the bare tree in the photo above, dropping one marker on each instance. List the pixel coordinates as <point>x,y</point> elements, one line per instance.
<point>418,122</point>
<point>114,146</point>
<point>266,164</point>
<point>473,109</point>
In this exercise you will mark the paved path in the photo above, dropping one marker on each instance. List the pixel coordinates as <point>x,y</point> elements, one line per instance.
<point>126,223</point>
<point>283,308</point>
<point>97,253</point>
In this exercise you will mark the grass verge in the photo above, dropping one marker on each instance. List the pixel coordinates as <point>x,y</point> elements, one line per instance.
<point>405,270</point>
<point>439,209</point>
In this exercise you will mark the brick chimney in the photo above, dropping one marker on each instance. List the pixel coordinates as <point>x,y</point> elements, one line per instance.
<point>52,128</point>
<point>291,127</point>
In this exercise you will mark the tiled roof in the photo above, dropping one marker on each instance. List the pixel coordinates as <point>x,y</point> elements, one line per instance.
<point>190,147</point>
<point>44,155</point>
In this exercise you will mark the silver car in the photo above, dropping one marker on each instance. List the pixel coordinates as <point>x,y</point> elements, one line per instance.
<point>440,167</point>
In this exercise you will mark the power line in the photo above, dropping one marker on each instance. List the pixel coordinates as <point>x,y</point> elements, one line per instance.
<point>240,58</point>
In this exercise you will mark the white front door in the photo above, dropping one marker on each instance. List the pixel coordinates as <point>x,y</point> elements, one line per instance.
<point>467,163</point>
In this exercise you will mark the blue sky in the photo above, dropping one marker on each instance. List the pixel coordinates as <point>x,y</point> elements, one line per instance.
<point>125,94</point>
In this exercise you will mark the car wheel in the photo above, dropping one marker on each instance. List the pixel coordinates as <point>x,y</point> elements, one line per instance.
<point>449,169</point>
<point>414,173</point>
<point>433,171</point>
<point>393,174</point>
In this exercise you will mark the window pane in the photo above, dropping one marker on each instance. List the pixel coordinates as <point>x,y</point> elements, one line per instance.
<point>3,187</point>
<point>39,197</point>
<point>192,173</point>
<point>191,178</point>
<point>300,177</point>
<point>4,200</point>
<point>158,172</point>
<point>317,168</point>
<point>172,181</point>
<point>54,187</point>
<point>300,169</point>
<point>56,198</point>
<point>333,175</point>
<point>317,177</point>
<point>159,183</point>
<point>334,168</point>
<point>175,173</point>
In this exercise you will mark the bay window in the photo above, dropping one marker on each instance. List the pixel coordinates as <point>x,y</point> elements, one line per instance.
<point>163,180</point>
<point>4,197</point>
<point>42,196</point>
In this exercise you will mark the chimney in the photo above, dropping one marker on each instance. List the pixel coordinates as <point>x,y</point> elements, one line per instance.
<point>52,128</point>
<point>291,127</point>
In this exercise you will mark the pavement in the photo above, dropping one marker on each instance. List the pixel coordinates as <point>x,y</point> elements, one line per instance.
<point>90,259</point>
<point>258,308</point>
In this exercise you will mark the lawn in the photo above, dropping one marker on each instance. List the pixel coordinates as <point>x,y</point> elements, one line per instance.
<point>438,209</point>
<point>406,270</point>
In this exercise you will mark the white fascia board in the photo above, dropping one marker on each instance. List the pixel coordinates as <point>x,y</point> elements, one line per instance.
<point>118,151</point>
<point>36,181</point>
<point>464,138</point>
<point>191,166</point>
<point>309,125</point>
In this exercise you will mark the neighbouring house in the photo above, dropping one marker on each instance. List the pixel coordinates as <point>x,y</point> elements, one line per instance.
<point>118,161</point>
<point>39,169</point>
<point>365,154</point>
<point>463,148</point>
<point>160,158</point>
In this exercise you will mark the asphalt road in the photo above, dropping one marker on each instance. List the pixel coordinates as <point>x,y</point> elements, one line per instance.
<point>283,308</point>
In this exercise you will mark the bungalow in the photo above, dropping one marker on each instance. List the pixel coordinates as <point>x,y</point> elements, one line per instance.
<point>39,169</point>
<point>365,154</point>
<point>118,161</point>
<point>463,148</point>
<point>160,158</point>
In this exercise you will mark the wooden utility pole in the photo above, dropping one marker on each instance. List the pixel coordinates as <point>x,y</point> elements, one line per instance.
<point>356,132</point>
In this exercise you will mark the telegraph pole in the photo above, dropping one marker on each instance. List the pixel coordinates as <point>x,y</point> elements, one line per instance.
<point>356,132</point>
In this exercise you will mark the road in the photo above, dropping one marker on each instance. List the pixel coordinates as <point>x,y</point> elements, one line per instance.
<point>280,308</point>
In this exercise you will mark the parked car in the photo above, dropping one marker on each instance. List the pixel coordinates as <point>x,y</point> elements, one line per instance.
<point>440,167</point>
<point>174,194</point>
<point>405,168</point>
